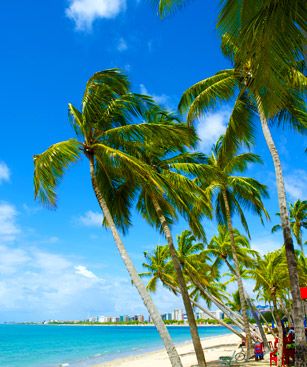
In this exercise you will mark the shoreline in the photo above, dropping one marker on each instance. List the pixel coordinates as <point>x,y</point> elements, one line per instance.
<point>214,347</point>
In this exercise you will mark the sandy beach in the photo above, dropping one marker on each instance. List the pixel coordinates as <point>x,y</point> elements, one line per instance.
<point>214,348</point>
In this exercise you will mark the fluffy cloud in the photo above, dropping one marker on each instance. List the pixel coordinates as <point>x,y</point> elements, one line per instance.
<point>91,219</point>
<point>161,99</point>
<point>296,184</point>
<point>36,280</point>
<point>210,127</point>
<point>4,172</point>
<point>8,226</point>
<point>37,285</point>
<point>85,12</point>
<point>122,45</point>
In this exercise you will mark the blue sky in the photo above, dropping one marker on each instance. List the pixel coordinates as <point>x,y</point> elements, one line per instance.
<point>61,264</point>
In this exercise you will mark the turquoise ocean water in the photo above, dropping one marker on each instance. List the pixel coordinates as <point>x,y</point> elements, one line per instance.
<point>82,346</point>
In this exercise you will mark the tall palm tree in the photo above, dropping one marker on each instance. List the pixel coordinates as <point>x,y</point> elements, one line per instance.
<point>264,39</point>
<point>105,128</point>
<point>298,221</point>
<point>230,193</point>
<point>159,208</point>
<point>272,280</point>
<point>159,268</point>
<point>222,86</point>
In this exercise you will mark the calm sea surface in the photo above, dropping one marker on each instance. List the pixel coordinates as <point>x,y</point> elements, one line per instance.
<point>82,346</point>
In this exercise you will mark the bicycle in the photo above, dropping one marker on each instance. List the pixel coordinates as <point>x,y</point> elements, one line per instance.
<point>240,356</point>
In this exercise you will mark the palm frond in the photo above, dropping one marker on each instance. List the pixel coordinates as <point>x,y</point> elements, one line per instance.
<point>49,168</point>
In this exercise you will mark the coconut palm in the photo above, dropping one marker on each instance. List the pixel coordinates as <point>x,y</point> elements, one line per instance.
<point>160,210</point>
<point>222,86</point>
<point>270,39</point>
<point>264,40</point>
<point>203,276</point>
<point>219,249</point>
<point>272,281</point>
<point>181,195</point>
<point>105,128</point>
<point>298,221</point>
<point>159,268</point>
<point>231,193</point>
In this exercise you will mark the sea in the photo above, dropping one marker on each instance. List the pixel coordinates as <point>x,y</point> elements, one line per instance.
<point>82,346</point>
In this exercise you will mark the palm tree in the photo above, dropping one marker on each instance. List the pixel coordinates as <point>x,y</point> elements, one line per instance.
<point>159,268</point>
<point>231,193</point>
<point>298,220</point>
<point>270,39</point>
<point>105,131</point>
<point>264,39</point>
<point>193,260</point>
<point>272,281</point>
<point>220,250</point>
<point>222,86</point>
<point>159,208</point>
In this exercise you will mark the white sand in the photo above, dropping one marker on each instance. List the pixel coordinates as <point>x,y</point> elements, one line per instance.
<point>214,348</point>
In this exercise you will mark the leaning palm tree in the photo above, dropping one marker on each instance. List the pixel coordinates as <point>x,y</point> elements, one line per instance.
<point>105,128</point>
<point>264,39</point>
<point>231,193</point>
<point>158,267</point>
<point>298,221</point>
<point>203,275</point>
<point>221,87</point>
<point>180,195</point>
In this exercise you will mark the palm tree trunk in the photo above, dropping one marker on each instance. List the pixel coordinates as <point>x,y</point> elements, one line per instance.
<point>267,324</point>
<point>182,285</point>
<point>239,279</point>
<point>251,307</point>
<point>262,333</point>
<point>222,307</point>
<point>249,304</point>
<point>207,312</point>
<point>221,322</point>
<point>153,311</point>
<point>298,313</point>
<point>280,335</point>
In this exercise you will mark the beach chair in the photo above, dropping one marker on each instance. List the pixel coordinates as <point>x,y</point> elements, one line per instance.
<point>227,360</point>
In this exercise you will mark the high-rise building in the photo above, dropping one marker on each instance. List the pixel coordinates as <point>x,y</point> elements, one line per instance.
<point>177,315</point>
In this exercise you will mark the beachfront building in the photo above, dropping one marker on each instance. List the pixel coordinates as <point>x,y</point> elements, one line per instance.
<point>178,315</point>
<point>202,316</point>
<point>124,318</point>
<point>167,317</point>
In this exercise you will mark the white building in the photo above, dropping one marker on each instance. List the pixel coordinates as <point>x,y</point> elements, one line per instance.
<point>177,315</point>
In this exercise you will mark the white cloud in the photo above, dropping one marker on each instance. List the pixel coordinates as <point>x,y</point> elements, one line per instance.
<point>8,226</point>
<point>38,281</point>
<point>4,172</point>
<point>161,99</point>
<point>296,184</point>
<point>91,219</point>
<point>265,244</point>
<point>211,126</point>
<point>82,270</point>
<point>85,12</point>
<point>122,45</point>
